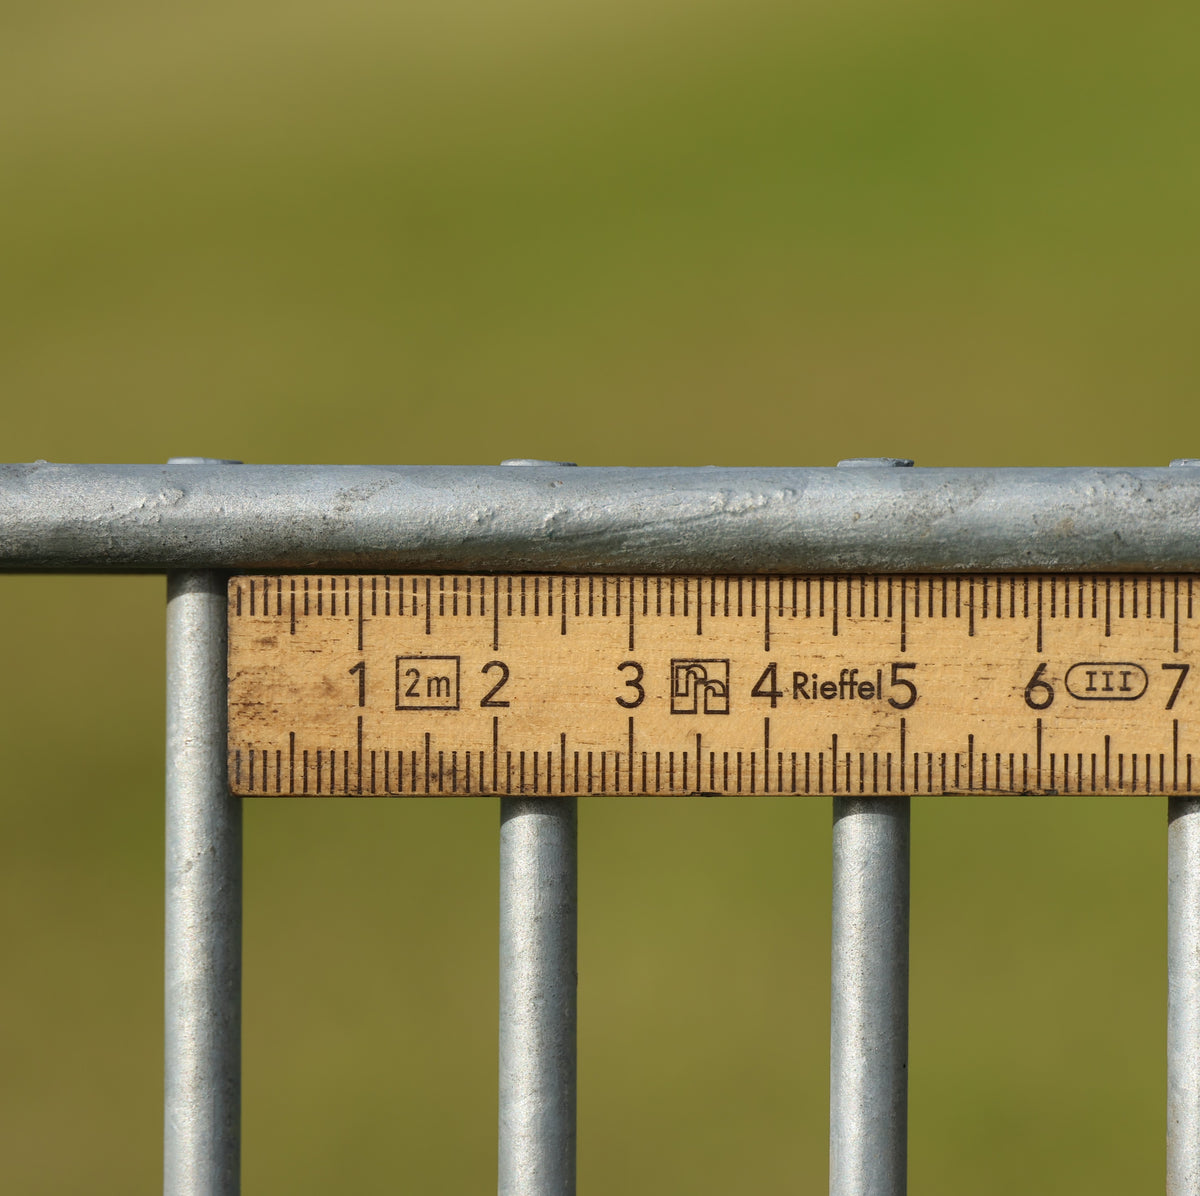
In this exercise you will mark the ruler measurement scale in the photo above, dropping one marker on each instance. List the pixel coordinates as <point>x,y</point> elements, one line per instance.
<point>837,684</point>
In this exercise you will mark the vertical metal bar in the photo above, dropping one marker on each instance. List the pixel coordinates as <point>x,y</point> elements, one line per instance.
<point>538,982</point>
<point>868,1041</point>
<point>202,1106</point>
<point>1183,996</point>
<point>538,978</point>
<point>868,1008</point>
<point>1183,986</point>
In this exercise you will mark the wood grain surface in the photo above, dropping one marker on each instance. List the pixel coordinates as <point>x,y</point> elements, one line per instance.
<point>568,684</point>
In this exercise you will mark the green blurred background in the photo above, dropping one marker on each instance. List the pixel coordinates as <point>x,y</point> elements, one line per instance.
<point>665,232</point>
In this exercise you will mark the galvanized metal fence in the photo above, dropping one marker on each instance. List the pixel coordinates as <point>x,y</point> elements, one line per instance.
<point>196,519</point>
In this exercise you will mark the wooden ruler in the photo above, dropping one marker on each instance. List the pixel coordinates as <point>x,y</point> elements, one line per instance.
<point>567,684</point>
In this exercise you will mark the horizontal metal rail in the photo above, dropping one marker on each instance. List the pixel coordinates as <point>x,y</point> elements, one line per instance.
<point>342,517</point>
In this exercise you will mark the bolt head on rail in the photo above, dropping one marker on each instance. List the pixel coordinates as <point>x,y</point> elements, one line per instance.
<point>536,461</point>
<point>203,461</point>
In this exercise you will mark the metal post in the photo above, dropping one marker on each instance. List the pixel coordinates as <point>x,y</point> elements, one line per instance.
<point>868,1042</point>
<point>538,978</point>
<point>203,967</point>
<point>1183,996</point>
<point>538,981</point>
<point>1183,986</point>
<point>868,1039</point>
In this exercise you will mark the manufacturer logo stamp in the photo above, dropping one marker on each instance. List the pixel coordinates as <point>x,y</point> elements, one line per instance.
<point>699,686</point>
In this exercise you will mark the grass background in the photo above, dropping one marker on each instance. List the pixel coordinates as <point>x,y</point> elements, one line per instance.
<point>617,233</point>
